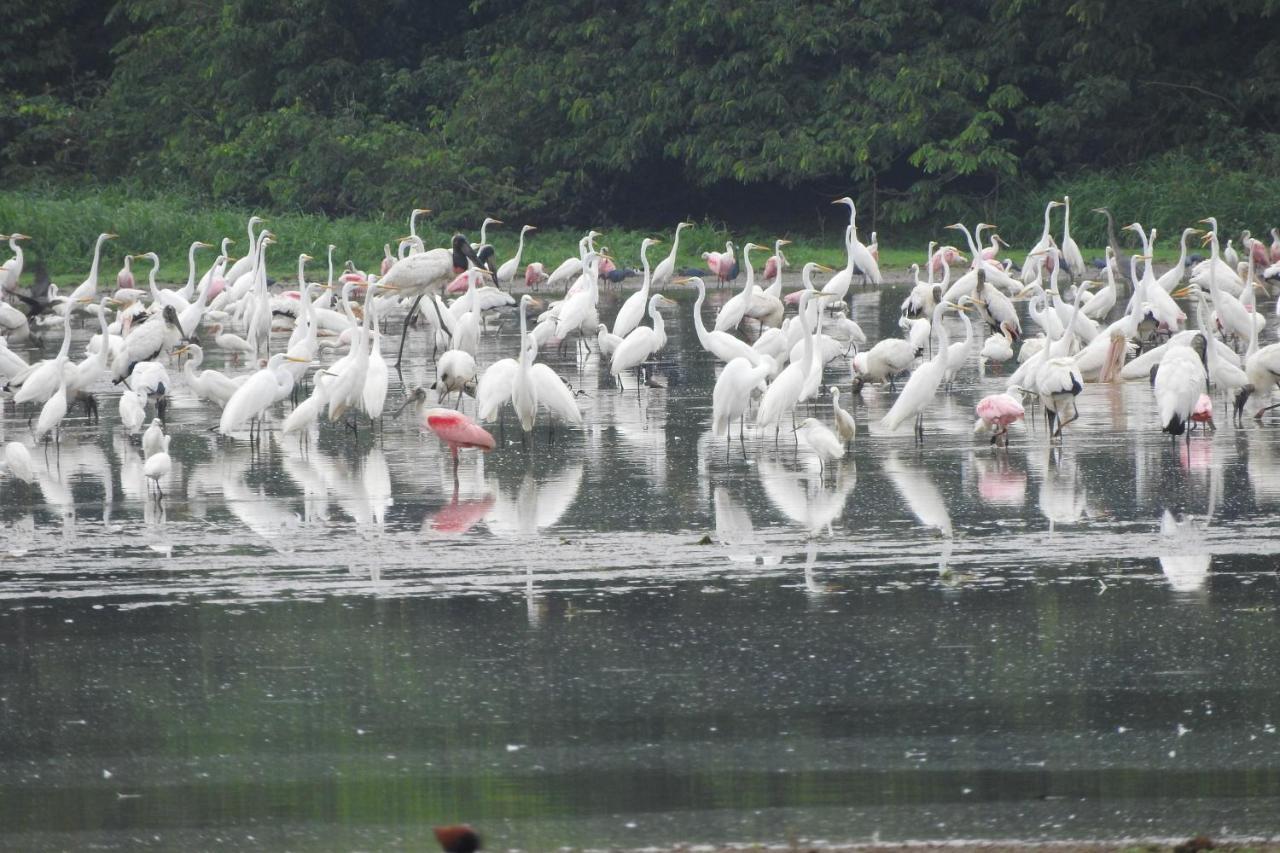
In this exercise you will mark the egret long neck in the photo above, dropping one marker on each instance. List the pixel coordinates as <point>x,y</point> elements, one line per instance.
<point>97,258</point>
<point>648,275</point>
<point>698,323</point>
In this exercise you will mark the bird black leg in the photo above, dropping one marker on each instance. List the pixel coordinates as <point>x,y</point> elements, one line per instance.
<point>408,318</point>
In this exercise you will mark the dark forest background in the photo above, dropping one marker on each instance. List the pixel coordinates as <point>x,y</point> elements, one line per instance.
<point>585,111</point>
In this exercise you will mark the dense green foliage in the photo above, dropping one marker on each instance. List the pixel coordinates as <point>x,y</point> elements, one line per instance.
<point>577,111</point>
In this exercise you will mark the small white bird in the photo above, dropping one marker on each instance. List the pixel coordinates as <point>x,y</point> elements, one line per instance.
<point>825,444</point>
<point>157,466</point>
<point>133,411</point>
<point>153,439</point>
<point>18,460</point>
<point>846,426</point>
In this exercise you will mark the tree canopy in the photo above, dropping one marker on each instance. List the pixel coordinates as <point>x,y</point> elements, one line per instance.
<point>590,110</point>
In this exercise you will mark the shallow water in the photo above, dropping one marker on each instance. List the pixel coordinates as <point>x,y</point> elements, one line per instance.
<point>336,645</point>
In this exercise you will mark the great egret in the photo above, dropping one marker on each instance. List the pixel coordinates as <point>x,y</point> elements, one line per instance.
<point>632,310</point>
<point>642,344</point>
<point>1169,281</point>
<point>866,262</point>
<point>920,389</point>
<point>132,410</point>
<point>732,312</point>
<point>207,384</point>
<point>883,362</point>
<point>11,270</point>
<point>787,388</point>
<point>731,396</point>
<point>722,345</point>
<point>1043,253</point>
<point>665,271</point>
<point>88,289</point>
<point>1072,259</point>
<point>262,390</point>
<point>507,272</point>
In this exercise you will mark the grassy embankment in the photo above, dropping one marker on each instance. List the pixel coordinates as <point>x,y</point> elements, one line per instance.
<point>64,223</point>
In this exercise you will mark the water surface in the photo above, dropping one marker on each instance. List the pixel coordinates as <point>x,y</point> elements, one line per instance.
<point>335,645</point>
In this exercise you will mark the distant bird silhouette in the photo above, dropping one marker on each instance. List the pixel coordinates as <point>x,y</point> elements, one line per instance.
<point>459,838</point>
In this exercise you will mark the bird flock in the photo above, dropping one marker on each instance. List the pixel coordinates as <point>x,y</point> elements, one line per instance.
<point>311,353</point>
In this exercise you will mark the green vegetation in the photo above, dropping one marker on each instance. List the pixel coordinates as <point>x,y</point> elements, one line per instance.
<point>573,112</point>
<point>64,223</point>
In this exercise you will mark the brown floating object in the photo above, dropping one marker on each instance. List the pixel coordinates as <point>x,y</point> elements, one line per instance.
<point>459,838</point>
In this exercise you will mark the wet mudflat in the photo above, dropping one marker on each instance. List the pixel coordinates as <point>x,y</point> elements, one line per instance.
<point>335,645</point>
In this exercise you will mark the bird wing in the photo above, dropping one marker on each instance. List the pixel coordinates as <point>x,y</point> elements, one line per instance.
<point>554,395</point>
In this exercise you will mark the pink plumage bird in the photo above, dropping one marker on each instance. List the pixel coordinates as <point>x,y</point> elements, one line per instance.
<point>950,254</point>
<point>1203,412</point>
<point>457,430</point>
<point>534,275</point>
<point>458,285</point>
<point>996,412</point>
<point>124,278</point>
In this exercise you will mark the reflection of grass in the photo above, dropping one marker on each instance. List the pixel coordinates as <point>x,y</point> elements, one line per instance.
<point>64,224</point>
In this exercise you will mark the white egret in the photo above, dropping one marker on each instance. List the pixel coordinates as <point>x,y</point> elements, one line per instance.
<point>632,310</point>
<point>18,460</point>
<point>157,466</point>
<point>642,344</point>
<point>825,444</point>
<point>732,312</point>
<point>846,426</point>
<point>1072,259</point>
<point>722,345</point>
<point>920,389</point>
<point>866,262</point>
<point>731,396</point>
<point>665,271</point>
<point>262,390</point>
<point>507,271</point>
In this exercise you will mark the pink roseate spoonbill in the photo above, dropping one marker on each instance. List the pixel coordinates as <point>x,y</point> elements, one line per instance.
<point>996,412</point>
<point>606,263</point>
<point>1203,412</point>
<point>124,278</point>
<point>1275,245</point>
<point>534,275</point>
<point>387,260</point>
<point>948,255</point>
<point>458,431</point>
<point>458,285</point>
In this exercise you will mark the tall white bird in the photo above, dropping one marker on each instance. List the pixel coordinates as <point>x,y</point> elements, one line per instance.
<point>785,391</point>
<point>846,426</point>
<point>88,289</point>
<point>921,388</point>
<point>1072,259</point>
<point>862,256</point>
<point>1044,248</point>
<point>722,345</point>
<point>507,272</point>
<point>665,271</point>
<point>262,390</point>
<point>632,310</point>
<point>732,312</point>
<point>208,384</point>
<point>731,396</point>
<point>642,344</point>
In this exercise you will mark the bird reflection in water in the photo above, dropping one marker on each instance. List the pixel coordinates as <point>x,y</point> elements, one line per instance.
<point>1185,558</point>
<point>806,497</point>
<point>1062,493</point>
<point>921,495</point>
<point>999,482</point>
<point>735,532</point>
<point>535,505</point>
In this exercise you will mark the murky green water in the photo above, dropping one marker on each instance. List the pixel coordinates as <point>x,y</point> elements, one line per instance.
<point>335,647</point>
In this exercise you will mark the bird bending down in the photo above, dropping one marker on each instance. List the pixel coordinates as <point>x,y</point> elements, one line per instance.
<point>1177,382</point>
<point>995,413</point>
